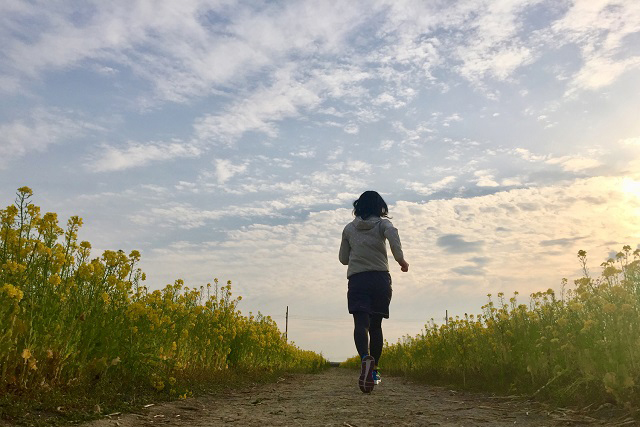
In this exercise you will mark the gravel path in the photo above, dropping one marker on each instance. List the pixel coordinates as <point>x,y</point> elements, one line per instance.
<point>332,398</point>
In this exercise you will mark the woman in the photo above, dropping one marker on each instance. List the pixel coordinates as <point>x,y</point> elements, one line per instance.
<point>363,249</point>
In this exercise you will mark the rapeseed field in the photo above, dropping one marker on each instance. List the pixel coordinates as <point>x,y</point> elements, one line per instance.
<point>579,347</point>
<point>69,321</point>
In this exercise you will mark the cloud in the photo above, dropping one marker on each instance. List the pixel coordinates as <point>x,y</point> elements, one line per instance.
<point>469,270</point>
<point>357,166</point>
<point>352,129</point>
<point>136,154</point>
<point>386,99</point>
<point>186,216</point>
<point>455,244</point>
<point>599,29</point>
<point>485,178</point>
<point>631,141</point>
<point>564,242</point>
<point>428,189</point>
<point>455,117</point>
<point>600,72</point>
<point>257,112</point>
<point>387,144</point>
<point>527,155</point>
<point>39,131</point>
<point>225,170</point>
<point>304,153</point>
<point>183,51</point>
<point>574,163</point>
<point>492,46</point>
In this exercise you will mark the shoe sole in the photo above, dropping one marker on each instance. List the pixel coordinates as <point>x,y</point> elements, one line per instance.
<point>365,382</point>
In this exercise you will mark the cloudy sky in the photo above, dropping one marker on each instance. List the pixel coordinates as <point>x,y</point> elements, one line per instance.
<point>228,139</point>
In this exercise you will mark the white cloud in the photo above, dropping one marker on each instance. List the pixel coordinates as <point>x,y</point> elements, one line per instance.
<point>335,154</point>
<point>358,166</point>
<point>39,131</point>
<point>258,112</point>
<point>599,29</point>
<point>411,136</point>
<point>492,46</point>
<point>574,163</point>
<point>304,153</point>
<point>427,189</point>
<point>387,144</point>
<point>455,117</point>
<point>631,141</point>
<point>599,72</point>
<point>187,216</point>
<point>386,99</point>
<point>225,170</point>
<point>177,48</point>
<point>508,182</point>
<point>485,178</point>
<point>527,155</point>
<point>136,154</point>
<point>352,129</point>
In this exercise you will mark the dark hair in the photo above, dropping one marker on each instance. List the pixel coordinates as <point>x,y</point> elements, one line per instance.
<point>369,204</point>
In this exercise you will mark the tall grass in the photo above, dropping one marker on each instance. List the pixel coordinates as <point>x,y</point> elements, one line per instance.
<point>581,347</point>
<point>71,321</point>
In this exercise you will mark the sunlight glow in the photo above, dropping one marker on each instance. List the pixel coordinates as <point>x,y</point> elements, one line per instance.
<point>631,186</point>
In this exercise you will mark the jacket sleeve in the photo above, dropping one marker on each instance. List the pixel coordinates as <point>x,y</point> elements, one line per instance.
<point>391,233</point>
<point>345,249</point>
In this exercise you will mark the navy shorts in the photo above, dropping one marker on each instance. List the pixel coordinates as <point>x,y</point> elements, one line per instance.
<point>370,292</point>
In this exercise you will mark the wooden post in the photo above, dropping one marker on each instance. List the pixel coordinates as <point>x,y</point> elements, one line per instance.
<point>446,317</point>
<point>286,326</point>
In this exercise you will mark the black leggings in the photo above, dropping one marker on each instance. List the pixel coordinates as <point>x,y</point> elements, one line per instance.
<point>368,326</point>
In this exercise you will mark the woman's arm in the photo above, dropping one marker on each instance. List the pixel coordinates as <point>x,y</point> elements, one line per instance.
<point>345,250</point>
<point>391,233</point>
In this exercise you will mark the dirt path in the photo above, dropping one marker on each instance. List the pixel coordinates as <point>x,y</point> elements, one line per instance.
<point>333,399</point>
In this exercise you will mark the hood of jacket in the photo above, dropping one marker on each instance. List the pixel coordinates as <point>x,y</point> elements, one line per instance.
<point>366,224</point>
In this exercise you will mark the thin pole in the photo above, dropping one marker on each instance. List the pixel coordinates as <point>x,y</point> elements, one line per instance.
<point>286,327</point>
<point>446,317</point>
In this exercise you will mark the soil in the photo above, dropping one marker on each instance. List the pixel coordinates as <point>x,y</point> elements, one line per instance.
<point>332,398</point>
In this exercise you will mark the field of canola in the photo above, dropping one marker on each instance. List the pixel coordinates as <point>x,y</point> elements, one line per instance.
<point>72,322</point>
<point>581,347</point>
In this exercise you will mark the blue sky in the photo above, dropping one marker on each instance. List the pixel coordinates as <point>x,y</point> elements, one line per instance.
<point>228,139</point>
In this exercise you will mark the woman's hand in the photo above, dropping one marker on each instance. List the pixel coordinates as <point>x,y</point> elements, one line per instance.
<point>404,265</point>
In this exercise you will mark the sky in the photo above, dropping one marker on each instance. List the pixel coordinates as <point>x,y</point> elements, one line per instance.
<point>228,139</point>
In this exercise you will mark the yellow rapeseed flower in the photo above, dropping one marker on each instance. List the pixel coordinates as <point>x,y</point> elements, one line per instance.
<point>13,291</point>
<point>26,354</point>
<point>14,267</point>
<point>54,280</point>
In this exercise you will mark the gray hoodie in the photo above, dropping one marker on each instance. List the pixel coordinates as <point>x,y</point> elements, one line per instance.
<point>363,246</point>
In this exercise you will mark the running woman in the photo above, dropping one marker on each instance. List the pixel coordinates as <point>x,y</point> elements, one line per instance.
<point>364,250</point>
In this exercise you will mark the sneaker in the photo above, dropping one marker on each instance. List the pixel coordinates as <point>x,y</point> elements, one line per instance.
<point>365,381</point>
<point>376,377</point>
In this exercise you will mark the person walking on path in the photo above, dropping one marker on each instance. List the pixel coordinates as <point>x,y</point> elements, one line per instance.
<point>363,249</point>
